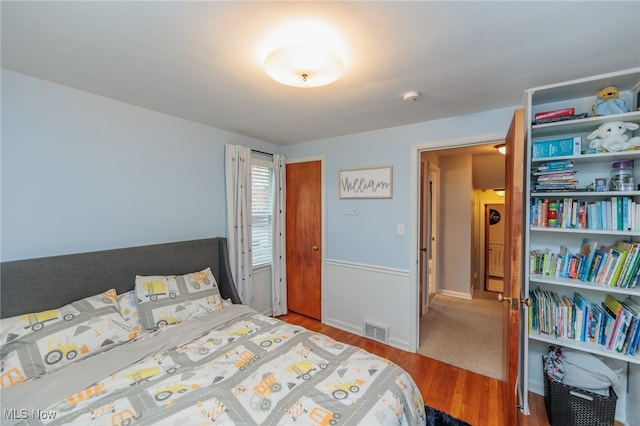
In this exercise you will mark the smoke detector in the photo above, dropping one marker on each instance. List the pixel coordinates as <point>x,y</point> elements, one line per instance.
<point>411,96</point>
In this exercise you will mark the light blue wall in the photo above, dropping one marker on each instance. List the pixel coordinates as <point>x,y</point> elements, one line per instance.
<point>82,172</point>
<point>370,237</point>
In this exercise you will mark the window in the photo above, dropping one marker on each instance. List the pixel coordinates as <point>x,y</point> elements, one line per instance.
<point>261,210</point>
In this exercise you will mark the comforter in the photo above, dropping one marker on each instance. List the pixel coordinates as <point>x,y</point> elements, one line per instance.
<point>234,366</point>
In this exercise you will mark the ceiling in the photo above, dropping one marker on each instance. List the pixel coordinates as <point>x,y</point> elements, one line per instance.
<point>198,61</point>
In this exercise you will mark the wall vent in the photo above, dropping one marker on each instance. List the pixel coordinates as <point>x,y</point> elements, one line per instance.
<point>376,332</point>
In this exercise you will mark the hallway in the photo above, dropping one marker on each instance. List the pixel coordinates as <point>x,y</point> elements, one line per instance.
<point>464,333</point>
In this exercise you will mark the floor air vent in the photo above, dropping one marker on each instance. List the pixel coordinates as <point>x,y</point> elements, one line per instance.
<point>376,332</point>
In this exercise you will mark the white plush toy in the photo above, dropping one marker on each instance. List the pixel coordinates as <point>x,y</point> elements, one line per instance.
<point>611,136</point>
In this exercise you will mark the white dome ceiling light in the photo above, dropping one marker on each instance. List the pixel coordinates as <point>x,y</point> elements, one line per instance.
<point>303,66</point>
<point>304,53</point>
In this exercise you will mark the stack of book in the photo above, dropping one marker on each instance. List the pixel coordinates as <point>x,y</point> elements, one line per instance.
<point>554,176</point>
<point>612,324</point>
<point>615,266</point>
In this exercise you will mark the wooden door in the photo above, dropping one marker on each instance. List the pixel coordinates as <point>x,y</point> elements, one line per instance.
<point>514,182</point>
<point>424,273</point>
<point>304,235</point>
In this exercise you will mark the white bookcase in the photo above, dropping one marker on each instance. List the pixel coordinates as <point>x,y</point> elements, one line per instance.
<point>581,95</point>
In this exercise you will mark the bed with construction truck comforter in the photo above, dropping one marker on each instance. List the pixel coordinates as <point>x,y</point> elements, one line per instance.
<point>233,366</point>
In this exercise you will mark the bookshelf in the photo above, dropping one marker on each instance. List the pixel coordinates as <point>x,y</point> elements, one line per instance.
<point>605,216</point>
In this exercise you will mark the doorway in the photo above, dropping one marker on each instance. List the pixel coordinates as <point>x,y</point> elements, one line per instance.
<point>458,250</point>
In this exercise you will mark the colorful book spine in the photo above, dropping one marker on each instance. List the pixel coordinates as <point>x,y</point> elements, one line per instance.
<point>562,112</point>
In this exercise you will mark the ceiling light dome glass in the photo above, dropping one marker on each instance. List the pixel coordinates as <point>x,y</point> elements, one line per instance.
<point>303,66</point>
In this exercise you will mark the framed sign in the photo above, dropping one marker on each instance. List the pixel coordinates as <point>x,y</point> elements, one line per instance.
<point>494,217</point>
<point>374,182</point>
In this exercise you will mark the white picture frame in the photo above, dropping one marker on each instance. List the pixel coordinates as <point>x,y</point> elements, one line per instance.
<point>370,182</point>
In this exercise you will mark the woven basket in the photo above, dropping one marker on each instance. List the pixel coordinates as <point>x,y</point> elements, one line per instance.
<point>570,406</point>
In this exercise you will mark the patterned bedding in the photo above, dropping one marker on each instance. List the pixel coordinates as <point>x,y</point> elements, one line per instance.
<point>233,366</point>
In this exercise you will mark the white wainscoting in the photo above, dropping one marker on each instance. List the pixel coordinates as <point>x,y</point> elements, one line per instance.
<point>355,292</point>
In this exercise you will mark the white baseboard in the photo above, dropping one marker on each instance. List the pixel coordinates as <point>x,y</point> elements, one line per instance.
<point>396,343</point>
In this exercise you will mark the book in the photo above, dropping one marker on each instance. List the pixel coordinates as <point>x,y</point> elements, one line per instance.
<point>632,250</point>
<point>582,311</point>
<point>556,165</point>
<point>562,112</point>
<point>634,261</point>
<point>633,325</point>
<point>623,327</point>
<point>593,316</point>
<point>619,255</point>
<point>563,118</point>
<point>552,214</point>
<point>557,147</point>
<point>595,266</point>
<point>595,319</point>
<point>635,339</point>
<point>605,265</point>
<point>615,309</point>
<point>588,250</point>
<point>608,321</point>
<point>570,324</point>
<point>634,281</point>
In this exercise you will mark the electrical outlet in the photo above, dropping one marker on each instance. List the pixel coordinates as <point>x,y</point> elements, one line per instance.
<point>400,229</point>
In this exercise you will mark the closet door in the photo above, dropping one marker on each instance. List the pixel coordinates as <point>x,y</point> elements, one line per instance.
<point>304,236</point>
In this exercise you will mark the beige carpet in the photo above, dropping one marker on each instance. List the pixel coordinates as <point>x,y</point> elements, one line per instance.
<point>464,333</point>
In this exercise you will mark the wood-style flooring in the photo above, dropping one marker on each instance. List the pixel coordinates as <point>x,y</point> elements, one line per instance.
<point>467,396</point>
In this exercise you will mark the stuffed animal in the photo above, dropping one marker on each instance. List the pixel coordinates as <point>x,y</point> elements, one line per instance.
<point>612,136</point>
<point>608,102</point>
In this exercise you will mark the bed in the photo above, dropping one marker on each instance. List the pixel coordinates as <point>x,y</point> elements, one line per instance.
<point>158,335</point>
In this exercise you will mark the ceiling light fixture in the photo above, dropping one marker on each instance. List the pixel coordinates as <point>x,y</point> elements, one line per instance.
<point>303,66</point>
<point>502,148</point>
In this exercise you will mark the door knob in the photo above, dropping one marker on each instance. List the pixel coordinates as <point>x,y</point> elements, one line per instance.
<point>315,248</point>
<point>513,300</point>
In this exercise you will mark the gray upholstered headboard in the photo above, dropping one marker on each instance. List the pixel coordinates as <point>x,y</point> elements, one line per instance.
<point>33,285</point>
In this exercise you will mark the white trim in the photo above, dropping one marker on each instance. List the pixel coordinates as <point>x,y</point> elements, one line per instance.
<point>306,159</point>
<point>414,216</point>
<point>371,268</point>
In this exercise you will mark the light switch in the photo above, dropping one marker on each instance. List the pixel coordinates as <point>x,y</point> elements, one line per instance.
<point>400,229</point>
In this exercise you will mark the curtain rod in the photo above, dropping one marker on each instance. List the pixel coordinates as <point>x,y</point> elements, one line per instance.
<point>261,152</point>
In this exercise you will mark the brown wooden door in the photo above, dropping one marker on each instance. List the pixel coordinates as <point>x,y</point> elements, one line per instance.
<point>304,253</point>
<point>423,246</point>
<point>514,182</point>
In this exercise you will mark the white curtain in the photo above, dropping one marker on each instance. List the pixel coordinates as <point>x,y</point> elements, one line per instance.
<point>238,188</point>
<point>279,262</point>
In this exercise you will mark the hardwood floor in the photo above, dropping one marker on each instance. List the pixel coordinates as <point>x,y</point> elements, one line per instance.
<point>470,397</point>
